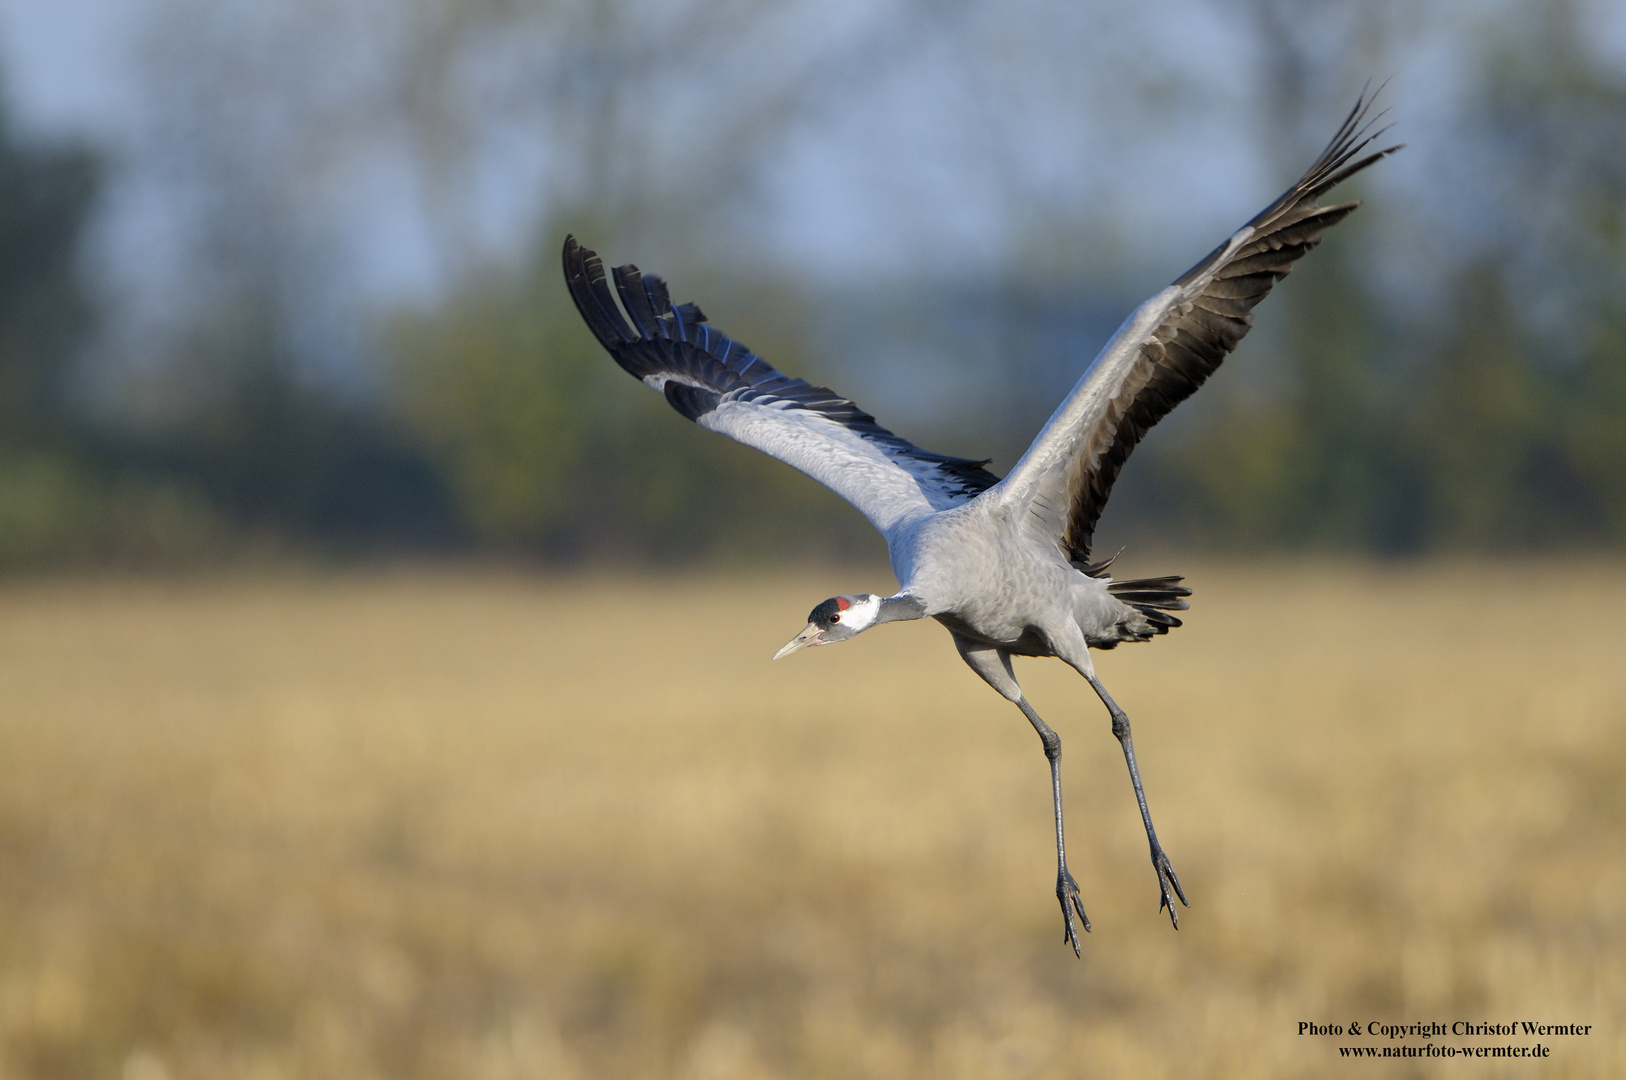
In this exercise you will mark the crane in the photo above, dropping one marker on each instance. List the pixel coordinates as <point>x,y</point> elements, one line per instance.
<point>1005,565</point>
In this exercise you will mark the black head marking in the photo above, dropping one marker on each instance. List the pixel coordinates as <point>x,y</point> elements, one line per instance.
<point>829,613</point>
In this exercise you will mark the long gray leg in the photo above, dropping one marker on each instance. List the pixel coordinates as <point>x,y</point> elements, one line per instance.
<point>1066,887</point>
<point>994,665</point>
<point>1160,862</point>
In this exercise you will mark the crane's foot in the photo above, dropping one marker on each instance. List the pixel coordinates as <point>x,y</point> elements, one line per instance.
<point>1067,893</point>
<point>1168,883</point>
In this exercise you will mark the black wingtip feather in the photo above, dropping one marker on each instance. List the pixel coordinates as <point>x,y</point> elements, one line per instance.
<point>1370,159</point>
<point>629,284</point>
<point>691,401</point>
<point>584,275</point>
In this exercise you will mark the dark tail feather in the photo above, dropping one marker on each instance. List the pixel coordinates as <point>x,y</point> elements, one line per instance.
<point>1148,594</point>
<point>1154,598</point>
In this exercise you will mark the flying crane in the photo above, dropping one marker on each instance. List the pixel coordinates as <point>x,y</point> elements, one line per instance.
<point>1005,565</point>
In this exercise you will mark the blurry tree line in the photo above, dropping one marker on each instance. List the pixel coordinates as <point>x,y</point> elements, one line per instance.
<point>1446,374</point>
<point>65,496</point>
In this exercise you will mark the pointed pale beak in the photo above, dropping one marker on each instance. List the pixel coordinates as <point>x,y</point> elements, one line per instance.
<point>812,635</point>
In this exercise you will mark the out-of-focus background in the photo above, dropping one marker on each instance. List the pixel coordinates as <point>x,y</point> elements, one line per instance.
<point>383,686</point>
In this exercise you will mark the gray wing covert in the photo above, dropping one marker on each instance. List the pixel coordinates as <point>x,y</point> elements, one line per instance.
<point>724,387</point>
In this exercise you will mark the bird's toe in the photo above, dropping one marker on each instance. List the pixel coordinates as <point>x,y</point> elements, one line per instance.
<point>1168,884</point>
<point>1067,894</point>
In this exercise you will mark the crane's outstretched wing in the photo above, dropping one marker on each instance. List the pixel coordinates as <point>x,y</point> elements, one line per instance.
<point>722,386</point>
<point>1164,351</point>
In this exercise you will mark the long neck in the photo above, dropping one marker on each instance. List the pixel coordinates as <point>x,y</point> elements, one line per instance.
<point>898,608</point>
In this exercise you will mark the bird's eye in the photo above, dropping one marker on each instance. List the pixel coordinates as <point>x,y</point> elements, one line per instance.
<point>836,617</point>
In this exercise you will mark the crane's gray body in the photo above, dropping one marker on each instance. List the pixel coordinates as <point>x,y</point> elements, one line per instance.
<point>975,573</point>
<point>1003,564</point>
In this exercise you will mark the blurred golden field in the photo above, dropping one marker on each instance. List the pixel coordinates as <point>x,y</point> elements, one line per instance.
<point>486,825</point>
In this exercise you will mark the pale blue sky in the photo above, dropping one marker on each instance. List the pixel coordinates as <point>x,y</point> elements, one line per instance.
<point>973,132</point>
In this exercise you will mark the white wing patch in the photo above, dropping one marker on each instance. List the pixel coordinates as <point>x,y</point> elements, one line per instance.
<point>848,464</point>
